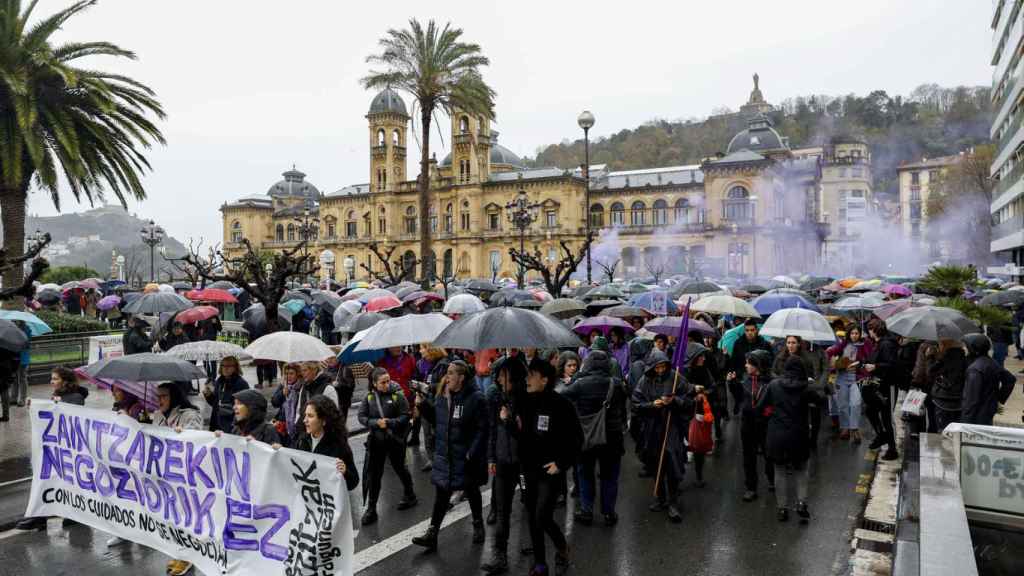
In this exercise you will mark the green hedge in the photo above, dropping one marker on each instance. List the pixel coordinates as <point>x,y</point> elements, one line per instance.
<point>65,323</point>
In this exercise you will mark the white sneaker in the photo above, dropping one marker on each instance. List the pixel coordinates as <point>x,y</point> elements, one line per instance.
<point>114,541</point>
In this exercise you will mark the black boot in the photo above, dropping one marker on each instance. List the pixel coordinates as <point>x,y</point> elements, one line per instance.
<point>562,561</point>
<point>492,516</point>
<point>803,512</point>
<point>409,501</point>
<point>369,517</point>
<point>674,515</point>
<point>428,540</point>
<point>38,523</point>
<point>498,563</point>
<point>478,532</point>
<point>890,454</point>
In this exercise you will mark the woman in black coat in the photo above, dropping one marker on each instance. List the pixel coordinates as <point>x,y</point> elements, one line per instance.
<point>326,435</point>
<point>251,418</point>
<point>885,368</point>
<point>788,444</point>
<point>221,396</point>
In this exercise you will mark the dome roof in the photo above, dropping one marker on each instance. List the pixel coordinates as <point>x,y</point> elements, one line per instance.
<point>499,155</point>
<point>295,185</point>
<point>388,102</point>
<point>758,136</point>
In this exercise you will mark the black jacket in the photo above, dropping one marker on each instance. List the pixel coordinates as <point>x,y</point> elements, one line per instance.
<point>135,341</point>
<point>946,377</point>
<point>589,389</point>
<point>396,414</point>
<point>75,395</point>
<point>171,340</point>
<point>460,422</point>
<point>986,386</point>
<point>789,398</point>
<point>221,401</point>
<point>740,349</point>
<point>749,399</point>
<point>650,389</point>
<point>256,424</point>
<point>335,448</point>
<point>886,358</point>
<point>548,431</point>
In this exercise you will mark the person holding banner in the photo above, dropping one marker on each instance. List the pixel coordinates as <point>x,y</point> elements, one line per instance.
<point>459,416</point>
<point>326,435</point>
<point>251,418</point>
<point>385,413</point>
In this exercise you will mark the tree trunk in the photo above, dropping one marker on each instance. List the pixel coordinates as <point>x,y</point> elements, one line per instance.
<point>424,193</point>
<point>12,211</point>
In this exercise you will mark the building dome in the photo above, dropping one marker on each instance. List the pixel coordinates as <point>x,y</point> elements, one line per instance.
<point>294,185</point>
<point>499,155</point>
<point>388,102</point>
<point>758,136</point>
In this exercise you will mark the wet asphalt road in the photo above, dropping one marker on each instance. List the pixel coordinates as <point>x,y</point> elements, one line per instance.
<point>720,534</point>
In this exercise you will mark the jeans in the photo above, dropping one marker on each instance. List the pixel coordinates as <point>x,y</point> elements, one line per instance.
<point>378,455</point>
<point>442,497</point>
<point>541,495</point>
<point>848,401</point>
<point>752,436</point>
<point>1000,350</point>
<point>609,458</point>
<point>505,481</point>
<point>791,478</point>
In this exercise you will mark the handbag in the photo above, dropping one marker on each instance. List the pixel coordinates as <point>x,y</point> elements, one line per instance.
<point>595,432</point>
<point>699,435</point>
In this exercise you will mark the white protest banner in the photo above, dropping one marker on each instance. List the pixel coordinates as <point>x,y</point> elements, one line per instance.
<point>227,505</point>
<point>101,347</point>
<point>991,467</point>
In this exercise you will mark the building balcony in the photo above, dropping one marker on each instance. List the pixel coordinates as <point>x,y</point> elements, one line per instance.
<point>1010,130</point>
<point>399,151</point>
<point>378,151</point>
<point>847,161</point>
<point>1007,182</point>
<point>280,243</point>
<point>1007,228</point>
<point>462,139</point>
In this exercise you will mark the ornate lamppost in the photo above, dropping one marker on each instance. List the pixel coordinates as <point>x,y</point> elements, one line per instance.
<point>152,236</point>
<point>586,121</point>
<point>308,227</point>
<point>521,214</point>
<point>350,269</point>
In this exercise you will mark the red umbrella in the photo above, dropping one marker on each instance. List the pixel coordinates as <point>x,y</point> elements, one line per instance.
<point>383,303</point>
<point>211,295</point>
<point>197,314</point>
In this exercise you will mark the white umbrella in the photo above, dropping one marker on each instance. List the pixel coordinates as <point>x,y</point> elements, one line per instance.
<point>289,347</point>
<point>50,286</point>
<point>463,304</point>
<point>786,280</point>
<point>208,351</point>
<point>166,288</point>
<point>404,331</point>
<point>723,304</point>
<point>807,324</point>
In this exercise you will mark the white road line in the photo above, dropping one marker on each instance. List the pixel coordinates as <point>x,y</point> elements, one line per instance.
<point>369,556</point>
<point>13,482</point>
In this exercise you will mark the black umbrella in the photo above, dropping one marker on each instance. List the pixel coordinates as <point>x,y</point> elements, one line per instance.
<point>696,287</point>
<point>478,286</point>
<point>754,288</point>
<point>48,297</point>
<point>327,300</point>
<point>509,297</point>
<point>157,302</point>
<point>506,327</point>
<point>180,285</point>
<point>815,282</point>
<point>529,304</point>
<point>931,323</point>
<point>12,337</point>
<point>145,367</point>
<point>595,307</point>
<point>222,285</point>
<point>361,322</point>
<point>254,320</point>
<point>606,292</point>
<point>1005,298</point>
<point>404,284</point>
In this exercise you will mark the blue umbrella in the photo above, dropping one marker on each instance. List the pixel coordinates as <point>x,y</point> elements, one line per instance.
<point>36,327</point>
<point>771,302</point>
<point>657,302</point>
<point>294,306</point>
<point>349,355</point>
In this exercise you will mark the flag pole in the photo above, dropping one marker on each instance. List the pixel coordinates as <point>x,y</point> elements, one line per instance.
<point>678,363</point>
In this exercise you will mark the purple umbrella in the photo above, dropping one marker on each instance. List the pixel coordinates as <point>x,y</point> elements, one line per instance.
<point>602,324</point>
<point>108,302</point>
<point>897,290</point>
<point>669,326</point>
<point>144,391</point>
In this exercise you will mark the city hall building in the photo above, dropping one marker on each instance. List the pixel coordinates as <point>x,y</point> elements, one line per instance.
<point>759,208</point>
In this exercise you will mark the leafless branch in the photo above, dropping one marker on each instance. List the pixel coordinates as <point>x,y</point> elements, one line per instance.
<point>38,267</point>
<point>555,278</point>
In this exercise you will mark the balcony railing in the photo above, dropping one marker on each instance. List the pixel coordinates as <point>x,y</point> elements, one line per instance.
<point>1011,129</point>
<point>1006,182</point>
<point>1006,228</point>
<point>462,139</point>
<point>846,160</point>
<point>379,150</point>
<point>279,243</point>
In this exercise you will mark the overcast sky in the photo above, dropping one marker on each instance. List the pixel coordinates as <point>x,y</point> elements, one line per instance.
<point>253,86</point>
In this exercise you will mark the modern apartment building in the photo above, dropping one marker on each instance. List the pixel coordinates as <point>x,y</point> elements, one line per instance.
<point>1008,135</point>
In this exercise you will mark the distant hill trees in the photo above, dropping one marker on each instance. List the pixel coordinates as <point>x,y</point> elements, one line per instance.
<point>930,121</point>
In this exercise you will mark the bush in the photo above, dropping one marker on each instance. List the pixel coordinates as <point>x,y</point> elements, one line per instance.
<point>984,315</point>
<point>67,323</point>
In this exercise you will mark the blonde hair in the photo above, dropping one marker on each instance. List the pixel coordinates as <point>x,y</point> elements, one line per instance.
<point>431,353</point>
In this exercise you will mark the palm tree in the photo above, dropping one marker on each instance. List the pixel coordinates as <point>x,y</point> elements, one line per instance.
<point>438,71</point>
<point>59,121</point>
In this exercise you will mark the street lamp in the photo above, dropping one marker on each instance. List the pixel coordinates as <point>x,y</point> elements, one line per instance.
<point>152,236</point>
<point>521,214</point>
<point>308,227</point>
<point>586,121</point>
<point>350,269</point>
<point>120,267</point>
<point>753,236</point>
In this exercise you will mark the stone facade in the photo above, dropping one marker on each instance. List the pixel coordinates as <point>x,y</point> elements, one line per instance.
<point>758,209</point>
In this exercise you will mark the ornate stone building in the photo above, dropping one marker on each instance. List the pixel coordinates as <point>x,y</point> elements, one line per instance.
<point>758,209</point>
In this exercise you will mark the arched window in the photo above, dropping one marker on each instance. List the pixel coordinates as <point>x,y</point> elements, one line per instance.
<point>618,214</point>
<point>350,224</point>
<point>597,216</point>
<point>367,227</point>
<point>382,221</point>
<point>380,137</point>
<point>236,231</point>
<point>738,207</point>
<point>291,232</point>
<point>660,212</point>
<point>463,124</point>
<point>464,216</point>
<point>682,211</point>
<point>410,220</point>
<point>396,137</point>
<point>448,218</point>
<point>280,233</point>
<point>636,214</point>
<point>448,265</point>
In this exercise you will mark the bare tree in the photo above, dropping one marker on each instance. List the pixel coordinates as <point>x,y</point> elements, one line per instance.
<point>655,267</point>
<point>250,273</point>
<point>394,270</point>
<point>608,268</point>
<point>37,268</point>
<point>557,277</point>
<point>132,267</point>
<point>186,269</point>
<point>958,205</point>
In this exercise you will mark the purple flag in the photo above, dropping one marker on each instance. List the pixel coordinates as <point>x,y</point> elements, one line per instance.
<point>682,339</point>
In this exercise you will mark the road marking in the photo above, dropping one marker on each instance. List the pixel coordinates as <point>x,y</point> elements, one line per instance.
<point>373,554</point>
<point>13,482</point>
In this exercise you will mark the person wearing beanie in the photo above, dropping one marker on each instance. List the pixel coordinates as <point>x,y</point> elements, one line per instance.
<point>250,410</point>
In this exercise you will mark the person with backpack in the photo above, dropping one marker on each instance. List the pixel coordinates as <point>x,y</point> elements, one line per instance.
<point>386,414</point>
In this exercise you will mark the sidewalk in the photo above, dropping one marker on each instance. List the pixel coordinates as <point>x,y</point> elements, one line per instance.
<point>1013,410</point>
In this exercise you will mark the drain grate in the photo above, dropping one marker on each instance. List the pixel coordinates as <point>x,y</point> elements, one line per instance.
<point>876,526</point>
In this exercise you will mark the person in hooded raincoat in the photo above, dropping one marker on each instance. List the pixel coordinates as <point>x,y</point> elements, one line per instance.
<point>662,410</point>
<point>987,384</point>
<point>250,409</point>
